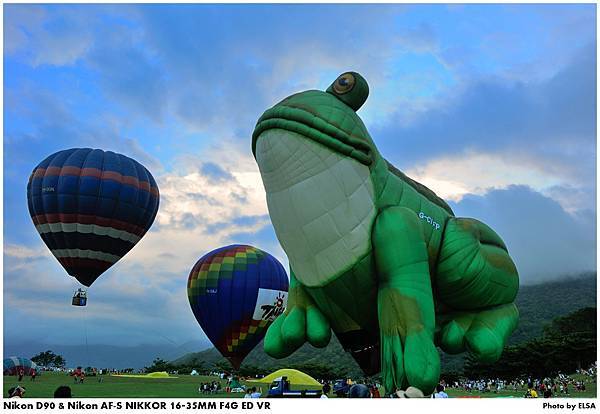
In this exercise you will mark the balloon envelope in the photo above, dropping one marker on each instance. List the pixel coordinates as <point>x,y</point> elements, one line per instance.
<point>235,293</point>
<point>13,364</point>
<point>91,207</point>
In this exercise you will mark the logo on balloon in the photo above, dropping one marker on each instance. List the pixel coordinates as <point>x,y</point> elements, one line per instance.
<point>269,304</point>
<point>429,220</point>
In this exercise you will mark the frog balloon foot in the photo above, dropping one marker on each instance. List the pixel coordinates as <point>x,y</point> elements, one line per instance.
<point>296,326</point>
<point>483,333</point>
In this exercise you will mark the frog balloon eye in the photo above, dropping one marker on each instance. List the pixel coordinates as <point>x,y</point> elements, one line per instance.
<point>344,83</point>
<point>350,88</point>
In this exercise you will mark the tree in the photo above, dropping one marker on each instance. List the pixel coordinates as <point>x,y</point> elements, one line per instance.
<point>252,370</point>
<point>576,335</point>
<point>224,366</point>
<point>159,365</point>
<point>567,343</point>
<point>59,362</point>
<point>49,359</point>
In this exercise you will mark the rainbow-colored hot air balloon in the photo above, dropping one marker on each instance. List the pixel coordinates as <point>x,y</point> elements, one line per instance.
<point>235,293</point>
<point>91,207</point>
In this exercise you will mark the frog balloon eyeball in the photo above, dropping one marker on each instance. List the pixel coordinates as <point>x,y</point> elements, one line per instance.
<point>351,88</point>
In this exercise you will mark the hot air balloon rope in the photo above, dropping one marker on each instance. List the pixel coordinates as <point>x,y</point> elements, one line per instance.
<point>87,350</point>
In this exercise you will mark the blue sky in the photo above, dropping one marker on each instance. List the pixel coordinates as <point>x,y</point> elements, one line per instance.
<point>491,106</point>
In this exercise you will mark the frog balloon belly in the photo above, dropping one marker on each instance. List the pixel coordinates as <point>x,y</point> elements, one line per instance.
<point>375,256</point>
<point>320,202</point>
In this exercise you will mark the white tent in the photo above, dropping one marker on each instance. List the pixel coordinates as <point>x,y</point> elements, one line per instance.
<point>194,372</point>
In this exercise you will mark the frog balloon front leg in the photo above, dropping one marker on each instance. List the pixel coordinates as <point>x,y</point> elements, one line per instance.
<point>302,321</point>
<point>405,302</point>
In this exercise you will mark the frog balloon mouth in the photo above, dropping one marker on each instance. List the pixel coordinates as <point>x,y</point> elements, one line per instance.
<point>312,126</point>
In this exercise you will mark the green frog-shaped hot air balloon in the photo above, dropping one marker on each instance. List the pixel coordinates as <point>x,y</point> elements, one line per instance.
<point>375,256</point>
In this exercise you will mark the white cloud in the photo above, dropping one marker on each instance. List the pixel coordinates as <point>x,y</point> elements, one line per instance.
<point>20,251</point>
<point>198,213</point>
<point>453,177</point>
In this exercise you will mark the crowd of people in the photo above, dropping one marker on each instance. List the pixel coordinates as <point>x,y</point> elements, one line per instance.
<point>558,386</point>
<point>209,387</point>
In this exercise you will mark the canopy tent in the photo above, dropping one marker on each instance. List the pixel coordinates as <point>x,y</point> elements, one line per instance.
<point>294,376</point>
<point>12,365</point>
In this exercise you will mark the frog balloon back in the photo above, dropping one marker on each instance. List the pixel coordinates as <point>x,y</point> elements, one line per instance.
<point>375,256</point>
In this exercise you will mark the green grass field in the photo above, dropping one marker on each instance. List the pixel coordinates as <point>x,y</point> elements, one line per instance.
<point>185,386</point>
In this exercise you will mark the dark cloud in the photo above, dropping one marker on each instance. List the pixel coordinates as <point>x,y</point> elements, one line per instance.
<point>239,198</point>
<point>545,241</point>
<point>215,172</point>
<point>188,221</point>
<point>218,227</point>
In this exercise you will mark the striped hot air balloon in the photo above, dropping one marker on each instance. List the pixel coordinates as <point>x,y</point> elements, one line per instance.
<point>236,292</point>
<point>91,207</point>
<point>12,365</point>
